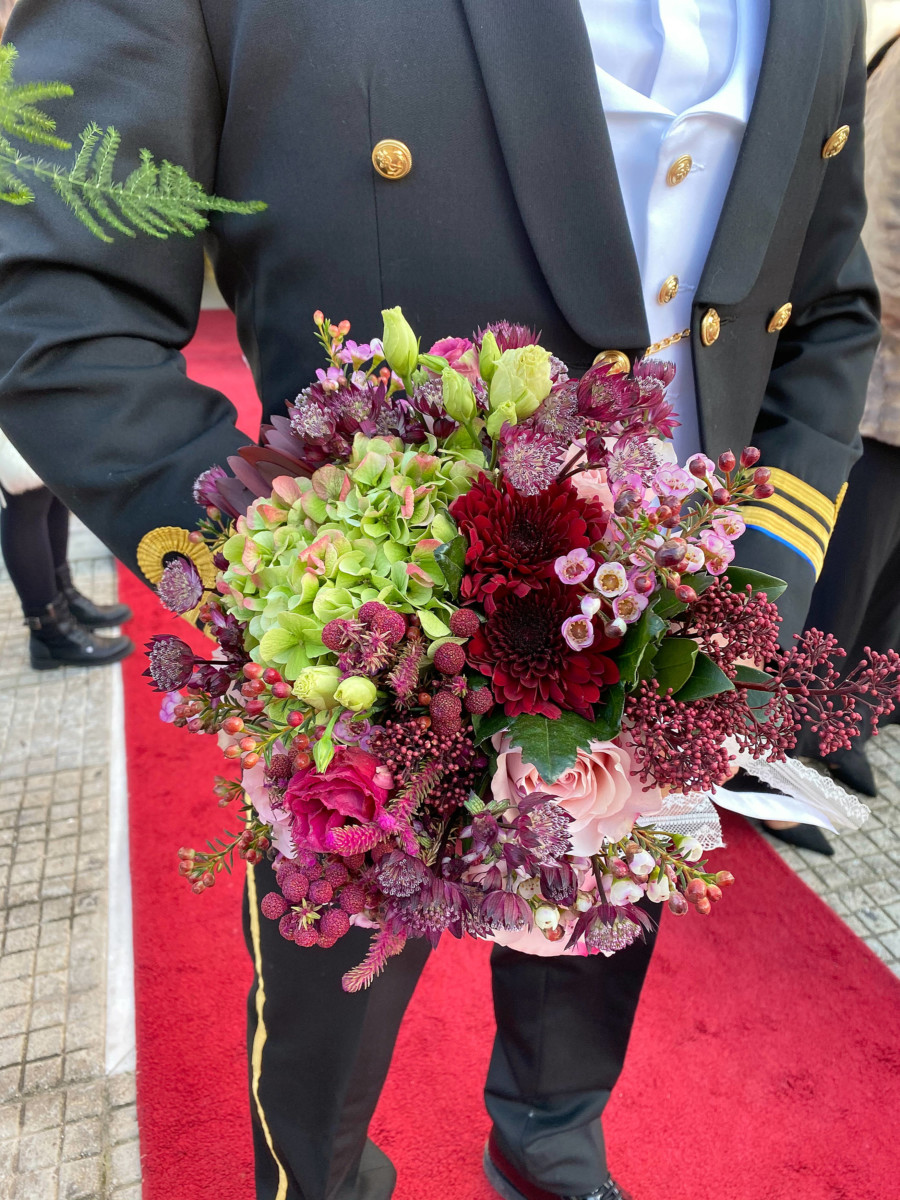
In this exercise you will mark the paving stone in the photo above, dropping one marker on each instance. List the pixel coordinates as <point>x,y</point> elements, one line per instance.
<point>125,1164</point>
<point>81,1179</point>
<point>83,1139</point>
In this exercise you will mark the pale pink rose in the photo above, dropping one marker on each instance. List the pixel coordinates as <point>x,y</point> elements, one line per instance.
<point>597,791</point>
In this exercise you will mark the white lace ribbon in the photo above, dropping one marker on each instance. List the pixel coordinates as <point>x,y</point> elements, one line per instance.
<point>805,795</point>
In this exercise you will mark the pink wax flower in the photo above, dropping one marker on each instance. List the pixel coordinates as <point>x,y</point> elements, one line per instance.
<point>694,560</point>
<point>718,551</point>
<point>575,566</point>
<point>460,354</point>
<point>730,525</point>
<point>597,791</point>
<point>672,480</point>
<point>629,606</point>
<point>578,632</point>
<point>348,790</point>
<point>268,800</point>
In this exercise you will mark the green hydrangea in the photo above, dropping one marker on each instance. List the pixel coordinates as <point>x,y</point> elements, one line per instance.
<point>321,547</point>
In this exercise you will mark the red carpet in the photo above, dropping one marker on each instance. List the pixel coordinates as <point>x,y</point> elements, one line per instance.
<point>764,1063</point>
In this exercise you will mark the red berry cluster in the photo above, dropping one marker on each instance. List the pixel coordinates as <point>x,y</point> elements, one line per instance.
<point>407,746</point>
<point>319,894</point>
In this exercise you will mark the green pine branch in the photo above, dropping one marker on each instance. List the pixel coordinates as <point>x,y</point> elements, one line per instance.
<point>158,199</point>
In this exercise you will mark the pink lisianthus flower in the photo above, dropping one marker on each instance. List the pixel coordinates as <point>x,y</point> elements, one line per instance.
<point>348,790</point>
<point>718,551</point>
<point>730,525</point>
<point>597,791</point>
<point>575,566</point>
<point>460,354</point>
<point>269,804</point>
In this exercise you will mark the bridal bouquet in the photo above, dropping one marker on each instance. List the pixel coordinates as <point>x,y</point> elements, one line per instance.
<point>480,641</point>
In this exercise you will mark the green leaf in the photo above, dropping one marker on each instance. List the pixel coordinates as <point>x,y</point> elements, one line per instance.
<point>739,577</point>
<point>276,641</point>
<point>451,558</point>
<point>432,624</point>
<point>665,603</point>
<point>552,746</point>
<point>493,722</point>
<point>639,637</point>
<point>752,675</point>
<point>706,680</point>
<point>674,664</point>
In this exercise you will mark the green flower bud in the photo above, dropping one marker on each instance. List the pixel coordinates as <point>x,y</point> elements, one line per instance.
<point>459,399</point>
<point>522,378</point>
<point>316,686</point>
<point>356,693</point>
<point>401,347</point>
<point>489,357</point>
<point>506,412</point>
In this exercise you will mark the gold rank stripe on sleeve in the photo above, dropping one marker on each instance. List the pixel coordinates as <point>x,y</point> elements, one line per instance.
<point>803,493</point>
<point>768,521</point>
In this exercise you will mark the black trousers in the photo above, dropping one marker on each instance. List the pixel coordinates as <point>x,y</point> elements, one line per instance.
<point>34,538</point>
<point>319,1057</point>
<point>857,597</point>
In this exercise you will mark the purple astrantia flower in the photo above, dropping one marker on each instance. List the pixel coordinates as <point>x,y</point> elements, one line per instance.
<point>506,910</point>
<point>180,588</point>
<point>171,662</point>
<point>206,485</point>
<point>610,580</point>
<point>575,566</point>
<point>167,707</point>
<point>578,632</point>
<point>529,458</point>
<point>632,456</point>
<point>629,606</point>
<point>558,414</point>
<point>509,337</point>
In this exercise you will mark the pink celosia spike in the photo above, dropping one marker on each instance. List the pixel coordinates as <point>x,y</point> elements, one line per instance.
<point>384,946</point>
<point>353,839</point>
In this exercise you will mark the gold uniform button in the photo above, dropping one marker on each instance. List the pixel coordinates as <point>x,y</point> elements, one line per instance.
<point>780,319</point>
<point>392,159</point>
<point>618,362</point>
<point>679,170</point>
<point>710,327</point>
<point>669,290</point>
<point>836,142</point>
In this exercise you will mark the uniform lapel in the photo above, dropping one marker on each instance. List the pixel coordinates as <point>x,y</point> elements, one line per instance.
<point>539,75</point>
<point>768,155</point>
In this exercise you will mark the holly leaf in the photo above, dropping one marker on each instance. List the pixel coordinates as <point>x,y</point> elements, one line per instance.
<point>739,577</point>
<point>640,636</point>
<point>552,746</point>
<point>488,724</point>
<point>451,558</point>
<point>706,680</point>
<point>674,664</point>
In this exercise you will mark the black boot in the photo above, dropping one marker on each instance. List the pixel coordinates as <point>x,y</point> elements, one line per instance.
<point>57,639</point>
<point>85,611</point>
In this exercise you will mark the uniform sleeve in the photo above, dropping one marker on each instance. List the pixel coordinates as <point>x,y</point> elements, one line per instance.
<point>93,390</point>
<point>808,429</point>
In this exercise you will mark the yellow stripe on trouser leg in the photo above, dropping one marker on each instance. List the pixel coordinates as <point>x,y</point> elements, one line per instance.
<point>259,1037</point>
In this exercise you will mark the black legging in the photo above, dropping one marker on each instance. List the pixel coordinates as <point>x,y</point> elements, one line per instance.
<point>34,538</point>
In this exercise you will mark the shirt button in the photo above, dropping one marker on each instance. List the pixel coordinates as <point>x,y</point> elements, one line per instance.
<point>679,170</point>
<point>392,159</point>
<point>669,290</point>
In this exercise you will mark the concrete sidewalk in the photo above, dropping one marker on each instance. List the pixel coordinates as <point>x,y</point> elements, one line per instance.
<point>67,1128</point>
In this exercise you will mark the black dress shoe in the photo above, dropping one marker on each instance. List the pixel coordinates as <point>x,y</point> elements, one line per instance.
<point>851,767</point>
<point>806,837</point>
<point>57,639</point>
<point>511,1184</point>
<point>95,616</point>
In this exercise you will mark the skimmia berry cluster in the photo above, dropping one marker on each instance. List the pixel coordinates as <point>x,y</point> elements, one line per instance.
<point>478,635</point>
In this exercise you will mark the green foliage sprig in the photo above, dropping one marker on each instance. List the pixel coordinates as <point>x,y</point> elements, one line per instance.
<point>159,199</point>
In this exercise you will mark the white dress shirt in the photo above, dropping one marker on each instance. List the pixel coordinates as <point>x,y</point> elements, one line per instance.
<point>677,78</point>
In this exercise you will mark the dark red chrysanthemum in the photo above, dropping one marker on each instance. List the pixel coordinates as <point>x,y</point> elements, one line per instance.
<point>532,669</point>
<point>514,540</point>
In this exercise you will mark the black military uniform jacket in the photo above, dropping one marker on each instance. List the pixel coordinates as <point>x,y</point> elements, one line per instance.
<point>507,204</point>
